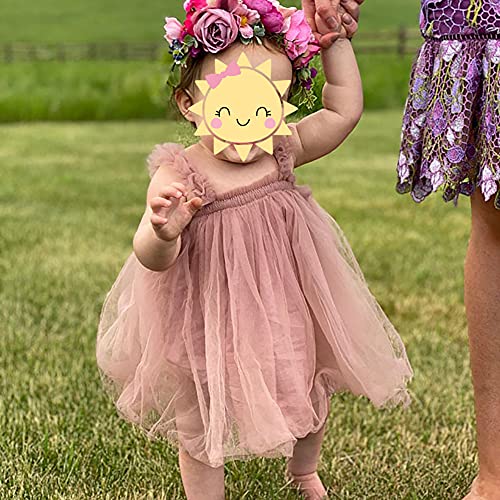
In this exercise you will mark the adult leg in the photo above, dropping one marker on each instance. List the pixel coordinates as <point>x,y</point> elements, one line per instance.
<point>482,300</point>
<point>201,482</point>
<point>301,468</point>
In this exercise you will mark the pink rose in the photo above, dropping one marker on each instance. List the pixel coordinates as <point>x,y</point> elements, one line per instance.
<point>215,29</point>
<point>299,36</point>
<point>286,12</point>
<point>271,17</point>
<point>305,59</point>
<point>173,29</point>
<point>192,5</point>
<point>192,8</point>
<point>246,17</point>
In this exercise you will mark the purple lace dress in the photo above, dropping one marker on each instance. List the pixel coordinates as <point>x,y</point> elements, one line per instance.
<point>451,126</point>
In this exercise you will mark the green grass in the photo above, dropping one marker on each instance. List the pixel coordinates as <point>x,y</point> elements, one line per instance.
<point>136,90</point>
<point>71,197</point>
<point>93,90</point>
<point>111,20</point>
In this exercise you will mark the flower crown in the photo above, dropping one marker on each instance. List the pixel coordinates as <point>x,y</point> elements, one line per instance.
<point>213,25</point>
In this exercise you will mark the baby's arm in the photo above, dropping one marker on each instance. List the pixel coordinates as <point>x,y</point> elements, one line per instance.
<point>320,133</point>
<point>157,241</point>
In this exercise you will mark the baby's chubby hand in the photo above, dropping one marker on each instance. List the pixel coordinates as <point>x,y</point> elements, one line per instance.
<point>332,19</point>
<point>172,212</point>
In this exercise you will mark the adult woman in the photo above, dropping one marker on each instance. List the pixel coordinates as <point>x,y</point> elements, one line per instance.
<point>451,143</point>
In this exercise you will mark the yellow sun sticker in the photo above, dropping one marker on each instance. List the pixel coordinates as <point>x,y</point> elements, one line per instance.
<point>242,106</point>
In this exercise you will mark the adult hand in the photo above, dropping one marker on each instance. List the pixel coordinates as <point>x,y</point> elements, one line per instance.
<point>332,19</point>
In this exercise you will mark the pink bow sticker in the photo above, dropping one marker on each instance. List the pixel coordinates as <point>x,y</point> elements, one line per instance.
<point>215,78</point>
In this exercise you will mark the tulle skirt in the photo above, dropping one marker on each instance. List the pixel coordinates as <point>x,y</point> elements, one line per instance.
<point>234,351</point>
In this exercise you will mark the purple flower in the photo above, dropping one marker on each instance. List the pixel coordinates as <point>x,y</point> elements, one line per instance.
<point>496,6</point>
<point>473,76</point>
<point>215,29</point>
<point>450,136</point>
<point>403,169</point>
<point>439,126</point>
<point>418,84</point>
<point>459,124</point>
<point>421,190</point>
<point>456,67</point>
<point>457,107</point>
<point>489,185</point>
<point>424,169</point>
<point>437,177</point>
<point>415,131</point>
<point>490,126</point>
<point>438,111</point>
<point>420,101</point>
<point>421,119</point>
<point>437,65</point>
<point>438,122</point>
<point>456,154</point>
<point>493,51</point>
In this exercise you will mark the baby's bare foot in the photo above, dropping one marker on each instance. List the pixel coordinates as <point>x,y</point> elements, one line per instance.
<point>309,485</point>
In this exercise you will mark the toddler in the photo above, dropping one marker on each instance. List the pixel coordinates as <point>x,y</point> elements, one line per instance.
<point>242,308</point>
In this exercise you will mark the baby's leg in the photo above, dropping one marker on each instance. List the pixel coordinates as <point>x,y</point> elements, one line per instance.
<point>201,482</point>
<point>301,468</point>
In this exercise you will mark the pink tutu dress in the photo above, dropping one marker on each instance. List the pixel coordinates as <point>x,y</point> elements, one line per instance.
<point>234,351</point>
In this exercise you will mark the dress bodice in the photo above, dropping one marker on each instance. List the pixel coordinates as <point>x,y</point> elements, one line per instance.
<point>460,18</point>
<point>198,184</point>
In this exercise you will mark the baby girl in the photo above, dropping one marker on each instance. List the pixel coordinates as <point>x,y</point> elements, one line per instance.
<point>242,309</point>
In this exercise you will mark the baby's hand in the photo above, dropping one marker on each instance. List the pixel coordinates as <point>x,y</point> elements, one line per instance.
<point>172,212</point>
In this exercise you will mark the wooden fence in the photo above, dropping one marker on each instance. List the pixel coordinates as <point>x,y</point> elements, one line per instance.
<point>401,42</point>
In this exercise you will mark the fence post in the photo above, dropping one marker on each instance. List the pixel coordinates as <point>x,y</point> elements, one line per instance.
<point>402,41</point>
<point>61,53</point>
<point>8,53</point>
<point>124,51</point>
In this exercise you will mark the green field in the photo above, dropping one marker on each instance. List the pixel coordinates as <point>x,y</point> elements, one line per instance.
<point>71,197</point>
<point>111,20</point>
<point>38,91</point>
<point>121,90</point>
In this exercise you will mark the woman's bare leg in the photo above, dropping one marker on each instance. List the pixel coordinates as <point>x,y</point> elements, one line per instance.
<point>301,468</point>
<point>201,482</point>
<point>482,300</point>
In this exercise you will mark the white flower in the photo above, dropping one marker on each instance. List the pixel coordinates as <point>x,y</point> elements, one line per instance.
<point>450,48</point>
<point>488,183</point>
<point>450,136</point>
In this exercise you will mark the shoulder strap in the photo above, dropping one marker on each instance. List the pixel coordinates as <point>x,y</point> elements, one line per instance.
<point>172,154</point>
<point>162,154</point>
<point>284,157</point>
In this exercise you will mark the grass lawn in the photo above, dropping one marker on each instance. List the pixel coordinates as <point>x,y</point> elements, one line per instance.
<point>111,20</point>
<point>71,197</point>
<point>137,90</point>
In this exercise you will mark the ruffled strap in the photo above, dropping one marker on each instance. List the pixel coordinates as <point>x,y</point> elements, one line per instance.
<point>162,154</point>
<point>284,157</point>
<point>286,164</point>
<point>172,154</point>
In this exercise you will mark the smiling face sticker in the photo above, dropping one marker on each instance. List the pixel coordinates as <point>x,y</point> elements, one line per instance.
<point>242,106</point>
